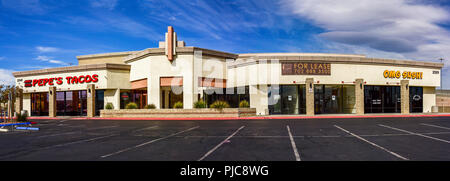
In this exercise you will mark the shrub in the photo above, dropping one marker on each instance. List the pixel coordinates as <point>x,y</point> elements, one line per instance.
<point>220,105</point>
<point>22,117</point>
<point>244,104</point>
<point>150,106</point>
<point>131,105</point>
<point>109,106</point>
<point>200,104</point>
<point>178,105</point>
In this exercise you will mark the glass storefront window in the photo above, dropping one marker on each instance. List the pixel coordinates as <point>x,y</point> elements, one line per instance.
<point>416,99</point>
<point>39,104</point>
<point>382,99</point>
<point>334,99</point>
<point>233,96</point>
<point>287,99</point>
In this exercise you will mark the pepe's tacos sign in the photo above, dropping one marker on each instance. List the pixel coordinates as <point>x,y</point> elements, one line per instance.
<point>62,80</point>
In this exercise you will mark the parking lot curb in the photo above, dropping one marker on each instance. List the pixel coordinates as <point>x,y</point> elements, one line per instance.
<point>257,117</point>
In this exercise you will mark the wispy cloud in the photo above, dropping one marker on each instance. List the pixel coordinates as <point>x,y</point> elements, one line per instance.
<point>50,60</point>
<point>27,7</point>
<point>43,49</point>
<point>6,77</point>
<point>2,58</point>
<point>108,4</point>
<point>216,19</point>
<point>408,28</point>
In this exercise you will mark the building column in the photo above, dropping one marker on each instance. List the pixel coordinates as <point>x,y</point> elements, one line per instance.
<point>91,100</point>
<point>259,99</point>
<point>153,91</point>
<point>404,92</point>
<point>52,102</point>
<point>19,100</point>
<point>10,111</point>
<point>359,96</point>
<point>116,102</point>
<point>309,96</point>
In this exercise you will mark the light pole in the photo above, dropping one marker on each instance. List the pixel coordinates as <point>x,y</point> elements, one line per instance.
<point>442,104</point>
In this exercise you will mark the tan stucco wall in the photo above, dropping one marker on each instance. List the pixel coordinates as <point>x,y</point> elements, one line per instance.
<point>98,60</point>
<point>429,98</point>
<point>372,74</point>
<point>27,103</point>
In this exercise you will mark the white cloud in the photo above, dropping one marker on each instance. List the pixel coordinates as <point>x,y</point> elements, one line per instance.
<point>46,49</point>
<point>2,58</point>
<point>108,4</point>
<point>50,60</point>
<point>6,77</point>
<point>405,27</point>
<point>27,7</point>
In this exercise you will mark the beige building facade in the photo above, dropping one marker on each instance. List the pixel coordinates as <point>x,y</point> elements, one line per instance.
<point>273,83</point>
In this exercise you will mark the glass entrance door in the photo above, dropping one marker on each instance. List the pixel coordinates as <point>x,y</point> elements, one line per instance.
<point>416,99</point>
<point>287,99</point>
<point>382,99</point>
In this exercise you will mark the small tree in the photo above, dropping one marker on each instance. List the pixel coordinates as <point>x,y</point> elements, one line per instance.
<point>131,105</point>
<point>109,106</point>
<point>150,106</point>
<point>178,105</point>
<point>22,117</point>
<point>244,104</point>
<point>220,105</point>
<point>199,104</point>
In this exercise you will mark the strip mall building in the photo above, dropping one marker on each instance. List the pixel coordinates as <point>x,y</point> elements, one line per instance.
<point>273,83</point>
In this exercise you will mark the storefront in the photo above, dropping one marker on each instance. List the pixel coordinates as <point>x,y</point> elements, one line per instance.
<point>273,83</point>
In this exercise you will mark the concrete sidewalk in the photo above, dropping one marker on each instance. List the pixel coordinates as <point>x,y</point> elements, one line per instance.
<point>323,116</point>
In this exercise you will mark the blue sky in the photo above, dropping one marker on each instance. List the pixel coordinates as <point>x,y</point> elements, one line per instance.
<point>36,34</point>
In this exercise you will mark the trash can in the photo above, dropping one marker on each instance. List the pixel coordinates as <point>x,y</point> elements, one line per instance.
<point>24,112</point>
<point>434,109</point>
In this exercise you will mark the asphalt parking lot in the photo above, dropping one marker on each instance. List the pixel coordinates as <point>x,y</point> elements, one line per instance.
<point>371,139</point>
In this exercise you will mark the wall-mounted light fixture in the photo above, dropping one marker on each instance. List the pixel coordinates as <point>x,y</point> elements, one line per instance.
<point>51,92</point>
<point>89,90</point>
<point>360,85</point>
<point>406,86</point>
<point>310,85</point>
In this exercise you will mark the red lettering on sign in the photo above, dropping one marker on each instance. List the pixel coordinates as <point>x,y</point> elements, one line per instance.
<point>35,81</point>
<point>74,79</point>
<point>68,79</point>
<point>88,79</point>
<point>59,81</point>
<point>95,78</point>
<point>81,79</point>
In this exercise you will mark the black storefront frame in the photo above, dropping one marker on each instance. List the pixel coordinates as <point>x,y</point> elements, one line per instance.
<point>65,106</point>
<point>39,104</point>
<point>280,101</point>
<point>332,99</point>
<point>382,99</point>
<point>415,99</point>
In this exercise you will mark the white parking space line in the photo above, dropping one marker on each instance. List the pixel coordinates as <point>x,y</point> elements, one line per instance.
<point>220,144</point>
<point>80,141</point>
<point>436,126</point>
<point>294,147</point>
<point>418,134</point>
<point>146,128</point>
<point>149,142</point>
<point>44,136</point>
<point>373,144</point>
